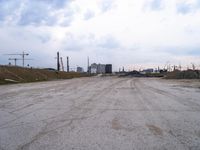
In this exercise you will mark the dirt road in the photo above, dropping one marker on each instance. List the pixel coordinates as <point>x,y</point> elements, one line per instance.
<point>101,113</point>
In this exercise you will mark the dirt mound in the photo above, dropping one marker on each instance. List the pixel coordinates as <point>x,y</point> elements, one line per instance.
<point>187,74</point>
<point>9,74</point>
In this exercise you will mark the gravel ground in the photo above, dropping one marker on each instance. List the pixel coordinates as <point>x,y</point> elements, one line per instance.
<point>101,113</point>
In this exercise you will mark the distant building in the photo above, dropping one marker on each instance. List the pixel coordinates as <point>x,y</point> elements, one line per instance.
<point>150,70</point>
<point>100,68</point>
<point>50,69</point>
<point>108,68</point>
<point>93,68</point>
<point>79,69</point>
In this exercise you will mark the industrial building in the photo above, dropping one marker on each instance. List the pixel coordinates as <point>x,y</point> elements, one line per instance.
<point>93,68</point>
<point>150,70</point>
<point>108,68</point>
<point>79,69</point>
<point>100,68</point>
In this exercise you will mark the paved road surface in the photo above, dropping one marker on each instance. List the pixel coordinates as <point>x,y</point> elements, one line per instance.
<point>101,113</point>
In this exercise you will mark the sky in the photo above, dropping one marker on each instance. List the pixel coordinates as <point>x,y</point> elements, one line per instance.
<point>136,34</point>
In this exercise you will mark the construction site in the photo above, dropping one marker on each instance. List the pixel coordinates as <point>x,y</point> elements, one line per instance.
<point>99,75</point>
<point>14,73</point>
<point>99,108</point>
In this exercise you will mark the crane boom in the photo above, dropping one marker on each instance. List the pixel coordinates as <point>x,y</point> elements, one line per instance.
<point>23,54</point>
<point>15,59</point>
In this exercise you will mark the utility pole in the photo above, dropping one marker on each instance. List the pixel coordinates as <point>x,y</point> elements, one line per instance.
<point>67,64</point>
<point>58,63</point>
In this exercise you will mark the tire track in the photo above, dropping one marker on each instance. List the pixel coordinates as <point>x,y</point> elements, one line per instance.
<point>181,100</point>
<point>169,129</point>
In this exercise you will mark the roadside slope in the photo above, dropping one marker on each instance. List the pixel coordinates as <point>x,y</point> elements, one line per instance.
<point>11,74</point>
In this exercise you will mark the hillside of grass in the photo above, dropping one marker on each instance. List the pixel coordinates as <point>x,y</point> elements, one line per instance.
<point>11,74</point>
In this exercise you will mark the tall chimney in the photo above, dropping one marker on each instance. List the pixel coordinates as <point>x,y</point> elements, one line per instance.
<point>88,64</point>
<point>67,64</point>
<point>58,63</point>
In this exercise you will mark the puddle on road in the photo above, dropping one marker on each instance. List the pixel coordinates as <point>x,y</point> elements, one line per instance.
<point>154,129</point>
<point>116,125</point>
<point>198,133</point>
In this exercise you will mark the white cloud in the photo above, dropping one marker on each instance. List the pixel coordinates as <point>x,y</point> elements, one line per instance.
<point>131,32</point>
<point>89,14</point>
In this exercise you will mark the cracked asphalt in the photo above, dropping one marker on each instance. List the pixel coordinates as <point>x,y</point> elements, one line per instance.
<point>101,113</point>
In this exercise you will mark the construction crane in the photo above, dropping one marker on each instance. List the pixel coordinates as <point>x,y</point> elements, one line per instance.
<point>23,54</point>
<point>15,59</point>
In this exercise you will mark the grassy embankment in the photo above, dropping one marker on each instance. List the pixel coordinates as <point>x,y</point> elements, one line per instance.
<point>11,74</point>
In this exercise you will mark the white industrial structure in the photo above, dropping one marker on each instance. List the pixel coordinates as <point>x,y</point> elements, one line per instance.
<point>97,68</point>
<point>79,69</point>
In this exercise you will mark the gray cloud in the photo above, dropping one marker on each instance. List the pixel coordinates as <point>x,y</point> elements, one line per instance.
<point>23,26</point>
<point>68,18</point>
<point>57,3</point>
<point>154,5</point>
<point>106,5</point>
<point>198,3</point>
<point>77,43</point>
<point>108,42</point>
<point>7,8</point>
<point>184,8</point>
<point>44,38</point>
<point>37,12</point>
<point>181,51</point>
<point>89,14</point>
<point>89,41</point>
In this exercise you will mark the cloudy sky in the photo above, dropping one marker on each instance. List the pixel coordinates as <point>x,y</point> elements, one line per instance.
<point>131,33</point>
